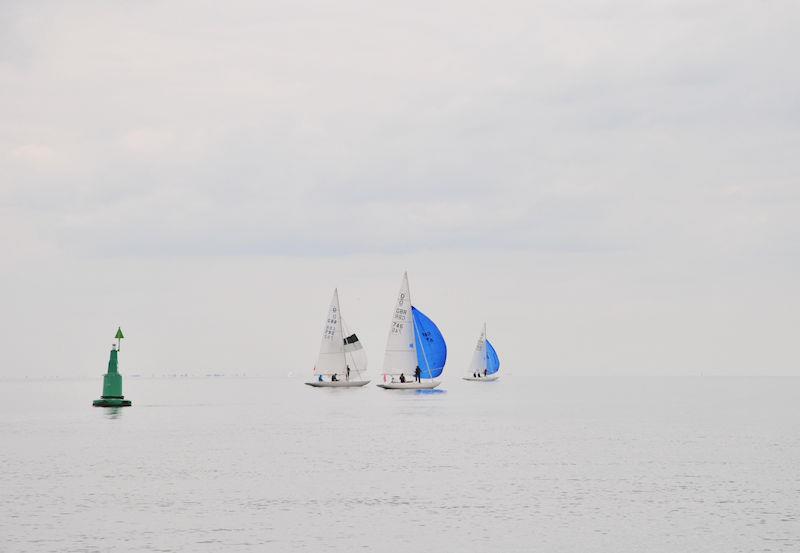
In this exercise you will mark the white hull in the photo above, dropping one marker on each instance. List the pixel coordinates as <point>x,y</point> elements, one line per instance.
<point>338,383</point>
<point>424,385</point>
<point>489,378</point>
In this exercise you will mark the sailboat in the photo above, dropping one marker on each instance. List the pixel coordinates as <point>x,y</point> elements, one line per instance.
<point>414,342</point>
<point>485,363</point>
<point>342,362</point>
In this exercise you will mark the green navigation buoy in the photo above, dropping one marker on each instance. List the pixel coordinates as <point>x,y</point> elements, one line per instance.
<point>112,380</point>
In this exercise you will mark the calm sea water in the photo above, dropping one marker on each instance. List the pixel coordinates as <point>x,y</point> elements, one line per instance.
<point>523,464</point>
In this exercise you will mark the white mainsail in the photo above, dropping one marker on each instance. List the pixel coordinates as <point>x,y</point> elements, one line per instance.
<point>401,351</point>
<point>478,364</point>
<point>331,358</point>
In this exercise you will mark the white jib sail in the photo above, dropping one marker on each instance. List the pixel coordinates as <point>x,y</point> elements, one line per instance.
<point>355,356</point>
<point>331,358</point>
<point>478,364</point>
<point>401,351</point>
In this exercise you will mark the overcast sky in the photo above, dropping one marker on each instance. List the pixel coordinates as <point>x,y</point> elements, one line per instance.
<point>612,185</point>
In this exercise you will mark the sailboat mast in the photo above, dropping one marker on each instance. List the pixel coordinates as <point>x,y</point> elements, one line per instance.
<point>485,349</point>
<point>421,347</point>
<point>341,325</point>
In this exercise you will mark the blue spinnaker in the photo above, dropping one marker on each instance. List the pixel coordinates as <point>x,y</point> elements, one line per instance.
<point>431,349</point>
<point>492,361</point>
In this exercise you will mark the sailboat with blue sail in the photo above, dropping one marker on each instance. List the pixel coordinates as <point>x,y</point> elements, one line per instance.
<point>415,350</point>
<point>342,362</point>
<point>485,365</point>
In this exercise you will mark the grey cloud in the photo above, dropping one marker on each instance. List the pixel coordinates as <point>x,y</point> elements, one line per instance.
<point>616,143</point>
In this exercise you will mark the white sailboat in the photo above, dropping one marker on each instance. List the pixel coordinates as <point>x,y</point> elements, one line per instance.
<point>485,363</point>
<point>342,362</point>
<point>415,345</point>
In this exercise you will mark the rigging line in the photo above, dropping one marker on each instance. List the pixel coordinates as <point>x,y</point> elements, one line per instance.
<point>352,352</point>
<point>485,353</point>
<point>344,339</point>
<point>486,349</point>
<point>421,346</point>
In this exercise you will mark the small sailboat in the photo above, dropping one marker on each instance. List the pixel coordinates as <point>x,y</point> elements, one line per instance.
<point>485,363</point>
<point>342,362</point>
<point>415,346</point>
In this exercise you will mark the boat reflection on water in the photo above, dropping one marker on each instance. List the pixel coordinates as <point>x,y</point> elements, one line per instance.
<point>112,412</point>
<point>430,392</point>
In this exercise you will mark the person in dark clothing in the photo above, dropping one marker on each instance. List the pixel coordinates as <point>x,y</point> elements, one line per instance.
<point>402,377</point>
<point>348,372</point>
<point>418,374</point>
<point>334,378</point>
